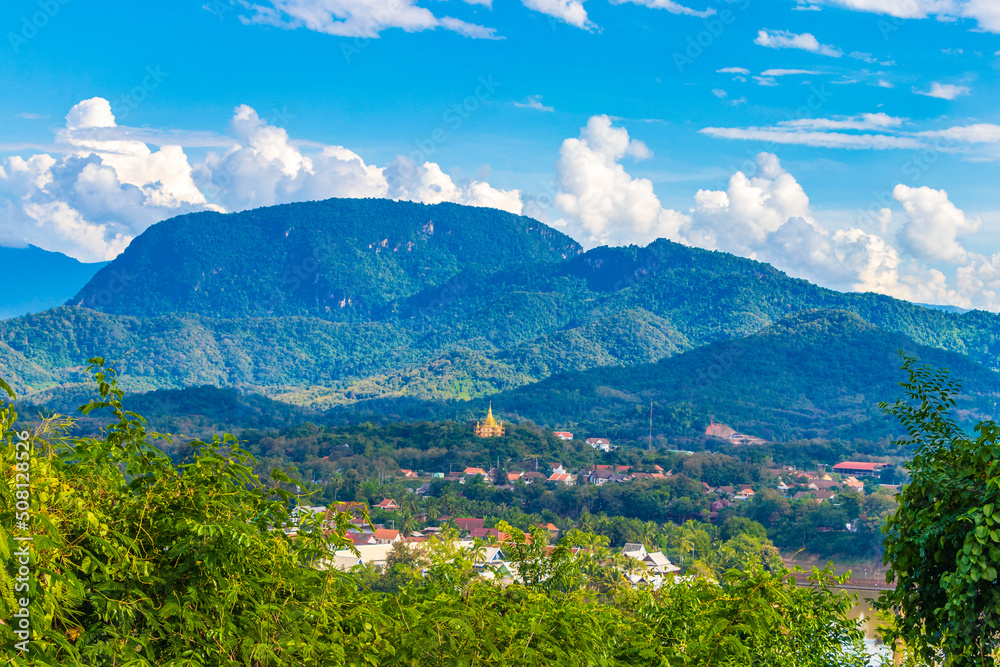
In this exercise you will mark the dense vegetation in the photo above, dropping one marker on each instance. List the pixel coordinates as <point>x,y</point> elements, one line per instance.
<point>330,303</point>
<point>943,545</point>
<point>140,561</point>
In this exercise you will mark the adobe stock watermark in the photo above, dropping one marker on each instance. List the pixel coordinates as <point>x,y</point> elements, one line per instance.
<point>21,623</point>
<point>114,284</point>
<point>122,105</point>
<point>32,24</point>
<point>713,27</point>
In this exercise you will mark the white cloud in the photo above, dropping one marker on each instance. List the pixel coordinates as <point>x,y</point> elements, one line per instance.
<point>533,102</point>
<point>783,39</point>
<point>786,135</point>
<point>567,11</point>
<point>864,121</point>
<point>262,167</point>
<point>109,187</point>
<point>934,224</point>
<point>787,72</point>
<point>599,201</point>
<point>985,12</point>
<point>734,70</point>
<point>356,18</point>
<point>981,133</point>
<point>944,91</point>
<point>427,183</point>
<point>765,214</point>
<point>101,193</point>
<point>670,6</point>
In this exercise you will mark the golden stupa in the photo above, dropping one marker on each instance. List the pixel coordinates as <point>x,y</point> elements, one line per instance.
<point>490,427</point>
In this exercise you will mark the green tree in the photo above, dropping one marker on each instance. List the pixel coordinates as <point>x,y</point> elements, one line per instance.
<point>943,542</point>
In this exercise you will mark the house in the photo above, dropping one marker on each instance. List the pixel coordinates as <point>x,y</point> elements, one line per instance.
<point>374,554</point>
<point>454,477</point>
<point>475,471</point>
<point>744,494</point>
<point>602,444</point>
<point>657,563</point>
<point>859,468</point>
<point>557,468</point>
<point>424,489</point>
<point>563,435</point>
<point>563,478</point>
<point>600,477</point>
<point>386,536</point>
<point>824,495</point>
<point>407,473</point>
<point>468,524</point>
<point>552,529</point>
<point>642,475</point>
<point>388,504</point>
<point>530,477</point>
<point>657,469</point>
<point>513,477</point>
<point>854,483</point>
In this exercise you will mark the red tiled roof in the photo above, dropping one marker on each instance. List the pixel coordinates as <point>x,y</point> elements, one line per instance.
<point>859,465</point>
<point>386,534</point>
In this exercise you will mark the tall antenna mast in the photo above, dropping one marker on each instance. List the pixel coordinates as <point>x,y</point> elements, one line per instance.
<point>650,424</point>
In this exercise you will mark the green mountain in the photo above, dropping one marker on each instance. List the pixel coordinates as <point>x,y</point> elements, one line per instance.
<point>335,302</point>
<point>813,374</point>
<point>37,279</point>
<point>338,259</point>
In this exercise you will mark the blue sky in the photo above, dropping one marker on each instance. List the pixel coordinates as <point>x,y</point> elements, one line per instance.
<point>851,142</point>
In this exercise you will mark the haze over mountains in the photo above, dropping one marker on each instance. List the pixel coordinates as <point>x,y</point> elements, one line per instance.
<point>344,302</point>
<point>37,279</point>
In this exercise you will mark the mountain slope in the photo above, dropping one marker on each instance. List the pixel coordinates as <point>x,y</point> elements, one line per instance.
<point>37,279</point>
<point>336,259</point>
<point>486,303</point>
<point>813,374</point>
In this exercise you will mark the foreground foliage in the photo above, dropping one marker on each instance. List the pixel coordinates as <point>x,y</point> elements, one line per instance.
<point>139,561</point>
<point>943,543</point>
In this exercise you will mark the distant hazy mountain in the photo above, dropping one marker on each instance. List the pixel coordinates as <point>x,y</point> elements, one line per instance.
<point>340,301</point>
<point>36,279</point>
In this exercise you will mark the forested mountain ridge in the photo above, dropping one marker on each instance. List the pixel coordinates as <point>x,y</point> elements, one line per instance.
<point>336,259</point>
<point>329,303</point>
<point>814,374</point>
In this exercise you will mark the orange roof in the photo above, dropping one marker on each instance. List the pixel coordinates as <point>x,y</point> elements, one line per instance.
<point>475,471</point>
<point>859,465</point>
<point>386,534</point>
<point>513,476</point>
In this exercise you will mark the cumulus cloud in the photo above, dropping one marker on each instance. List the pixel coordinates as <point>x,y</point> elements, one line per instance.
<point>262,167</point>
<point>783,39</point>
<point>934,224</point>
<point>107,186</point>
<point>90,202</point>
<point>356,18</point>
<point>428,184</point>
<point>765,214</point>
<point>599,201</point>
